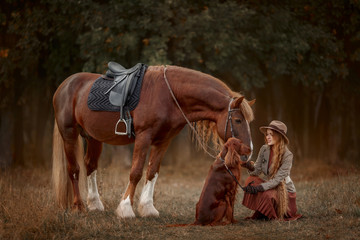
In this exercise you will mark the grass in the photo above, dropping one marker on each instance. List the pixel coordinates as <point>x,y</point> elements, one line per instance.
<point>330,203</point>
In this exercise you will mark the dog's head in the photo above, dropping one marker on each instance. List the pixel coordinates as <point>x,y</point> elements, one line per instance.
<point>234,148</point>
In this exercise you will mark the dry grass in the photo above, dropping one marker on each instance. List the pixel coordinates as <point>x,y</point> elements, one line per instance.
<point>330,203</point>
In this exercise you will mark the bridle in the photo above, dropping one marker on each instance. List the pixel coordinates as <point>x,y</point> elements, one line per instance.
<point>229,117</point>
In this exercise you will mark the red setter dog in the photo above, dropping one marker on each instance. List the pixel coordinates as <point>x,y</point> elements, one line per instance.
<point>217,198</point>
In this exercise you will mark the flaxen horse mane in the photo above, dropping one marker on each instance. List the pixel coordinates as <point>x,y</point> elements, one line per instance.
<point>206,130</point>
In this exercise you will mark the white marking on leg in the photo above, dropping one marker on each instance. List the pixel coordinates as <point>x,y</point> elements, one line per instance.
<point>93,198</point>
<point>251,144</point>
<point>146,205</point>
<point>124,210</point>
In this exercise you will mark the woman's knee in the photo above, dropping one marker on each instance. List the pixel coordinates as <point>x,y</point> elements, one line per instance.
<point>270,195</point>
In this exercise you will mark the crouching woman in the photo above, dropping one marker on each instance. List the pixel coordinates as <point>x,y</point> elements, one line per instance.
<point>275,197</point>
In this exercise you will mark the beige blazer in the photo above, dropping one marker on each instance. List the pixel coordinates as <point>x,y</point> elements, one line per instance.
<point>261,166</point>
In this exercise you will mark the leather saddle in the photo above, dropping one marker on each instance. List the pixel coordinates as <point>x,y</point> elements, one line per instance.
<point>124,84</point>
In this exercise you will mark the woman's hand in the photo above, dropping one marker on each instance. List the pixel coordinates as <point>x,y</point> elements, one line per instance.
<point>249,165</point>
<point>253,189</point>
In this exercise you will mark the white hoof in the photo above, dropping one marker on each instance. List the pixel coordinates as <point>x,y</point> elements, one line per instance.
<point>124,210</point>
<point>93,199</point>
<point>94,203</point>
<point>148,210</point>
<point>146,206</point>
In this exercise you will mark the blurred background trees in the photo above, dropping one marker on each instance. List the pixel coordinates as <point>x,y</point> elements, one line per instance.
<point>299,59</point>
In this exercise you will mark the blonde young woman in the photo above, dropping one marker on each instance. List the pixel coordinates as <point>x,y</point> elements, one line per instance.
<point>275,197</point>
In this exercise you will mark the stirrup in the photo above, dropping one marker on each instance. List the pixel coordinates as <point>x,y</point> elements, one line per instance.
<point>126,128</point>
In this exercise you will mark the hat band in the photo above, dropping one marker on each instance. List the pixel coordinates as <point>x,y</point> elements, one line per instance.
<point>277,129</point>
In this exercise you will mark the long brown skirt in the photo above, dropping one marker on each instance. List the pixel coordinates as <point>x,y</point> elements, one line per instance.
<point>264,203</point>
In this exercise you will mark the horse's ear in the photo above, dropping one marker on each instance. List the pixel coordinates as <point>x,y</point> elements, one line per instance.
<point>237,102</point>
<point>252,102</point>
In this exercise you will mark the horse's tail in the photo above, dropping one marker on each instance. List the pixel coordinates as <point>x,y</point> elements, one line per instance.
<point>61,180</point>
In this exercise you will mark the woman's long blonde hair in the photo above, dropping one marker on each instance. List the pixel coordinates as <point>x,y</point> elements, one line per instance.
<point>277,159</point>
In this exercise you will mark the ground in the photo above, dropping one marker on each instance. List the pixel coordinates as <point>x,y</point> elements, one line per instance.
<point>328,196</point>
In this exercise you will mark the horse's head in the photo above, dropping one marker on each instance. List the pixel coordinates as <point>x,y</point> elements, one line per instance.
<point>234,122</point>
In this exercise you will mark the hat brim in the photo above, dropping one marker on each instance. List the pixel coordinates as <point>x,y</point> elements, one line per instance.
<point>264,128</point>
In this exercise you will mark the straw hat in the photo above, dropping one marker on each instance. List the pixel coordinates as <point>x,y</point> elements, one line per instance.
<point>277,126</point>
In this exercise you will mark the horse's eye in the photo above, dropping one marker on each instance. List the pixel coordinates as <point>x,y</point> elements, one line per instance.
<point>238,120</point>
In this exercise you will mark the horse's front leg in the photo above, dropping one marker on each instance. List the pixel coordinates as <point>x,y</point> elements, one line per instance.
<point>146,205</point>
<point>142,144</point>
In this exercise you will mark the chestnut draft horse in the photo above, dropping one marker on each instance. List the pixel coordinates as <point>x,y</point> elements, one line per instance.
<point>156,120</point>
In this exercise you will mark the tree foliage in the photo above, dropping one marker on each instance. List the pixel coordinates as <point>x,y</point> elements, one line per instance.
<point>249,42</point>
<point>245,43</point>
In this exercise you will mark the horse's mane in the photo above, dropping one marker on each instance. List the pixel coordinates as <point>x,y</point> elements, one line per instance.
<point>207,131</point>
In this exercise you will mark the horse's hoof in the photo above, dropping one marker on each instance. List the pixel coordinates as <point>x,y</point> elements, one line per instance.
<point>95,204</point>
<point>124,210</point>
<point>148,210</point>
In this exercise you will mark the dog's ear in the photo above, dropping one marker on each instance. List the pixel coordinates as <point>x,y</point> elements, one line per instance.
<point>232,157</point>
<point>224,151</point>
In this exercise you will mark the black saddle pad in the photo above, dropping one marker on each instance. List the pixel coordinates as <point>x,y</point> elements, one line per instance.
<point>99,101</point>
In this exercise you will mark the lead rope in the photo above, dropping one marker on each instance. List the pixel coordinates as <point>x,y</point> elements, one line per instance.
<point>187,120</point>
<point>230,172</point>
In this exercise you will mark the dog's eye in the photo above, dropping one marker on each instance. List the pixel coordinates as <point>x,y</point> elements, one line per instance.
<point>237,120</point>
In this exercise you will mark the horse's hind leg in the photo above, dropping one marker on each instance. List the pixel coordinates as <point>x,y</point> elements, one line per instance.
<point>146,205</point>
<point>91,160</point>
<point>72,149</point>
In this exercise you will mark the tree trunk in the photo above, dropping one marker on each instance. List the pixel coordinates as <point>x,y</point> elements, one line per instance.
<point>18,133</point>
<point>42,117</point>
<point>6,139</point>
